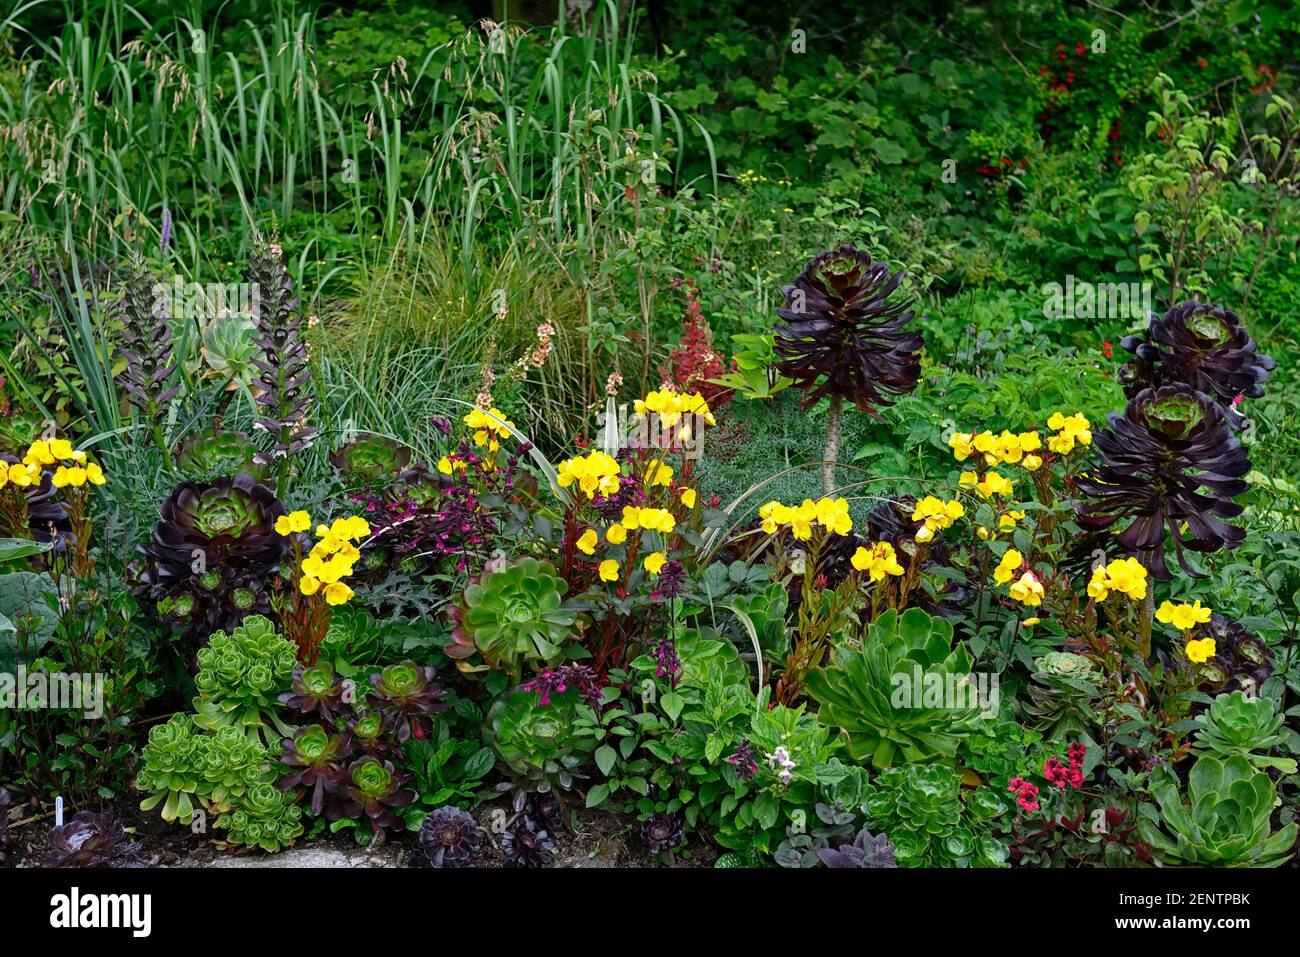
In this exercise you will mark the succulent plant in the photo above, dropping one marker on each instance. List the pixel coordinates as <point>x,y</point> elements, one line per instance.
<point>1225,821</point>
<point>210,557</point>
<point>230,764</point>
<point>517,616</point>
<point>930,822</point>
<point>265,817</point>
<point>527,844</point>
<point>316,690</point>
<point>146,344</point>
<point>1241,662</point>
<point>1200,345</point>
<point>865,850</point>
<point>214,451</point>
<point>368,458</point>
<point>241,676</point>
<point>171,769</point>
<point>353,635</point>
<point>282,386</point>
<point>371,789</point>
<point>319,756</point>
<point>663,832</point>
<point>546,810</point>
<point>408,697</point>
<point>1167,462</point>
<point>537,745</point>
<point>449,837</point>
<point>1238,725</point>
<point>1063,697</point>
<point>370,734</point>
<point>909,653</point>
<point>92,840</point>
<point>844,338</point>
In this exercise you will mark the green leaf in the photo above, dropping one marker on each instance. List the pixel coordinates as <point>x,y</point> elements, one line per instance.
<point>597,795</point>
<point>605,759</point>
<point>12,549</point>
<point>672,703</point>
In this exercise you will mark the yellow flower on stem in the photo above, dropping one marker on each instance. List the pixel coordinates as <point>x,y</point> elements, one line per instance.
<point>309,585</point>
<point>654,562</point>
<point>338,593</point>
<point>1183,616</point>
<point>688,497</point>
<point>587,542</point>
<point>616,535</point>
<point>608,570</point>
<point>1200,651</point>
<point>1028,590</point>
<point>878,561</point>
<point>1008,566</point>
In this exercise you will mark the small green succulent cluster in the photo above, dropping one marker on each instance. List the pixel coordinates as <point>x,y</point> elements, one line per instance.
<point>188,770</point>
<point>353,637</point>
<point>880,696</point>
<point>367,458</point>
<point>266,817</point>
<point>931,822</point>
<point>541,746</point>
<point>240,677</point>
<point>1239,725</point>
<point>1225,821</point>
<point>1063,697</point>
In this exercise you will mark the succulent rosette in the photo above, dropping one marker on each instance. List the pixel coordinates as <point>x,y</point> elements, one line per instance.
<point>527,844</point>
<point>408,697</point>
<point>266,817</point>
<point>212,554</point>
<point>865,850</point>
<point>1200,345</point>
<point>1167,465</point>
<point>517,615</point>
<point>370,734</point>
<point>317,690</point>
<point>92,840</point>
<point>241,677</point>
<point>318,755</point>
<point>845,334</point>
<point>371,790</point>
<point>449,837</point>
<point>663,832</point>
<point>214,451</point>
<point>368,458</point>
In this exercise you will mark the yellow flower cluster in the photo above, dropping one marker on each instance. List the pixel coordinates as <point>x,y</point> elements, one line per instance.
<point>72,466</point>
<point>991,484</point>
<point>332,558</point>
<point>1201,651</point>
<point>596,474</point>
<point>831,513</point>
<point>1069,431</point>
<point>671,405</point>
<point>1010,447</point>
<point>937,514</point>
<point>659,473</point>
<point>487,430</point>
<point>1183,616</point>
<point>877,561</point>
<point>1124,575</point>
<point>651,519</point>
<point>1006,523</point>
<point>1028,590</point>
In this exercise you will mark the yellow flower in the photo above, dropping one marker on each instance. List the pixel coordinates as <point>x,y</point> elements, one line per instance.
<point>608,570</point>
<point>834,514</point>
<point>1124,575</point>
<point>357,527</point>
<point>688,497</point>
<point>671,405</point>
<point>924,534</point>
<point>338,593</point>
<point>1032,463</point>
<point>1009,519</point>
<point>95,474</point>
<point>616,534</point>
<point>878,561</point>
<point>801,520</point>
<point>64,476</point>
<point>993,484</point>
<point>1028,590</point>
<point>1070,430</point>
<point>309,585</point>
<point>961,446</point>
<point>293,522</point>
<point>38,453</point>
<point>596,474</point>
<point>968,480</point>
<point>1030,622</point>
<point>659,473</point>
<point>587,542</point>
<point>24,475</point>
<point>1183,616</point>
<point>937,514</point>
<point>1010,564</point>
<point>1201,651</point>
<point>654,562</point>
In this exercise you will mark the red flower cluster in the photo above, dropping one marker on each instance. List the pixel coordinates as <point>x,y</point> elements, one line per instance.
<point>694,362</point>
<point>1026,794</point>
<point>1062,776</point>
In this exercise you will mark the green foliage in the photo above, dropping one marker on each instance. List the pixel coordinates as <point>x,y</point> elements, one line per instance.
<point>539,746</point>
<point>241,676</point>
<point>931,821</point>
<point>883,695</point>
<point>517,616</point>
<point>1225,820</point>
<point>265,817</point>
<point>1238,725</point>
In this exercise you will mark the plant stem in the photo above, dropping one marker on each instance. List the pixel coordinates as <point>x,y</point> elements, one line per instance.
<point>832,453</point>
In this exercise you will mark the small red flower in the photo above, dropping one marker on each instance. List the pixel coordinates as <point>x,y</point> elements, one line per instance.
<point>1108,350</point>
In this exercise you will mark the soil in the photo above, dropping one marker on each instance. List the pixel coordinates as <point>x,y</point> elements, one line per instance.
<point>592,839</point>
